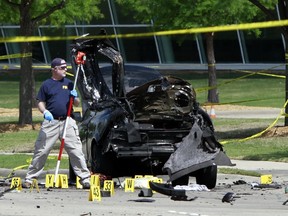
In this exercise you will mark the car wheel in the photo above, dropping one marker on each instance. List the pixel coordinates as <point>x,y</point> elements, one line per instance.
<point>101,163</point>
<point>207,176</point>
<point>184,180</point>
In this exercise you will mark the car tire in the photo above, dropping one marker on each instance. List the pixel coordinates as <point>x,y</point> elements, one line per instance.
<point>207,176</point>
<point>184,180</point>
<point>101,163</point>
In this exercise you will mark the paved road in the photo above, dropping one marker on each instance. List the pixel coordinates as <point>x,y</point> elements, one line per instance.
<point>269,113</point>
<point>251,201</point>
<point>72,201</point>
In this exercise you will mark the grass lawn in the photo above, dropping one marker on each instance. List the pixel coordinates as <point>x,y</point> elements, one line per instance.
<point>263,91</point>
<point>16,160</point>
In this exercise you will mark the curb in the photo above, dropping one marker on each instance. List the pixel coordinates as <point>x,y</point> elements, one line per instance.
<point>22,173</point>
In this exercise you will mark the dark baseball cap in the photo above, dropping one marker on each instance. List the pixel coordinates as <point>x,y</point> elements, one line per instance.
<point>58,62</point>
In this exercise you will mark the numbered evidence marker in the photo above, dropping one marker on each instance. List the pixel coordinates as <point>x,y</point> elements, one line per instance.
<point>16,183</point>
<point>129,185</point>
<point>95,180</point>
<point>78,185</point>
<point>61,181</point>
<point>266,179</point>
<point>109,186</point>
<point>34,185</point>
<point>49,180</point>
<point>94,193</point>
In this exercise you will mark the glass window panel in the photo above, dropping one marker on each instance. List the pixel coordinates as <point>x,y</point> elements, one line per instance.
<point>13,48</point>
<point>227,48</point>
<point>185,49</point>
<point>3,50</point>
<point>58,48</point>
<point>37,53</point>
<point>138,49</point>
<point>266,48</point>
<point>94,31</point>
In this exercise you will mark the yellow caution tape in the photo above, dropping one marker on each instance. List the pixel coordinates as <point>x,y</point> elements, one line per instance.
<point>260,133</point>
<point>237,102</point>
<point>20,167</point>
<point>232,27</point>
<point>29,160</point>
<point>18,55</point>
<point>250,73</point>
<point>265,74</point>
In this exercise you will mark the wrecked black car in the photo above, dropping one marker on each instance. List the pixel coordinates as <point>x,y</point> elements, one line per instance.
<point>136,121</point>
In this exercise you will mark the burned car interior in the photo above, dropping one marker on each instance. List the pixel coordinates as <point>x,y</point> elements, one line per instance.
<point>137,121</point>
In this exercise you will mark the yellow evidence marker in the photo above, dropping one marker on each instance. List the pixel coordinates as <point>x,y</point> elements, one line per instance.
<point>109,186</point>
<point>94,193</point>
<point>35,185</point>
<point>129,185</point>
<point>49,181</point>
<point>16,183</point>
<point>266,179</point>
<point>95,180</point>
<point>63,181</point>
<point>78,185</point>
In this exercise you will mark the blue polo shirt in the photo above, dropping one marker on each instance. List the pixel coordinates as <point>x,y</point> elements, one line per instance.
<point>56,94</point>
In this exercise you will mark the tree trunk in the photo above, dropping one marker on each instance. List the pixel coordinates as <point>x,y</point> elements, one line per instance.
<point>26,87</point>
<point>286,82</point>
<point>26,74</point>
<point>212,80</point>
<point>283,8</point>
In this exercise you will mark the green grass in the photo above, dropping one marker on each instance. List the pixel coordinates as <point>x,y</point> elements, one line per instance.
<point>236,131</point>
<point>9,94</point>
<point>18,141</point>
<point>256,90</point>
<point>15,160</point>
<point>238,172</point>
<point>241,128</point>
<point>266,149</point>
<point>9,87</point>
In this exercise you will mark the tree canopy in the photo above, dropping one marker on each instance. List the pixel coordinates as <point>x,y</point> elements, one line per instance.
<point>29,14</point>
<point>173,14</point>
<point>50,12</point>
<point>180,14</point>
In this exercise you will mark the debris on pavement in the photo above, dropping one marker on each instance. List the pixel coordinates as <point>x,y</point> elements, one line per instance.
<point>255,185</point>
<point>7,190</point>
<point>240,182</point>
<point>192,187</point>
<point>229,197</point>
<point>142,200</point>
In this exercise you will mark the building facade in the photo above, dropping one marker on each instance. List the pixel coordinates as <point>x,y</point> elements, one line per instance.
<point>234,48</point>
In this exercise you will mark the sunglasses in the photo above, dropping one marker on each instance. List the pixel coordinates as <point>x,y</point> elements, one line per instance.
<point>62,67</point>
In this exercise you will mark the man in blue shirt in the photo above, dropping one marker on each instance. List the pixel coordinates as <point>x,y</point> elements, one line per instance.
<point>53,102</point>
